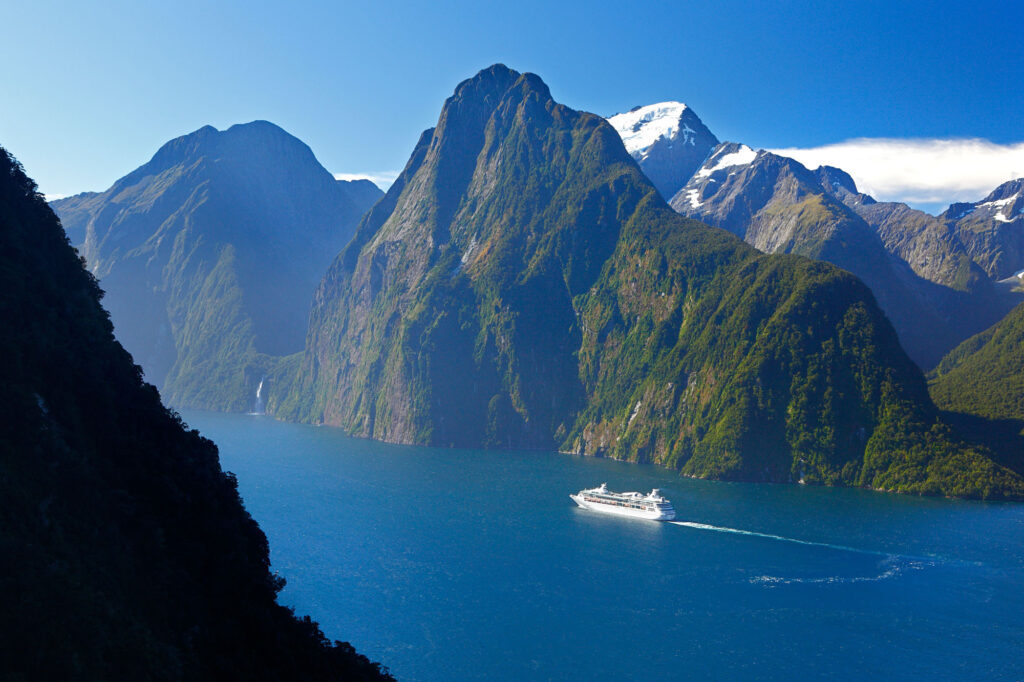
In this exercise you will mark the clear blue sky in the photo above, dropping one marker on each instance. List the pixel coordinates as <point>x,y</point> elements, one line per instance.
<point>91,90</point>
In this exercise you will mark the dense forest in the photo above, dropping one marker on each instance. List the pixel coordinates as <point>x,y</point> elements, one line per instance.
<point>984,375</point>
<point>981,386</point>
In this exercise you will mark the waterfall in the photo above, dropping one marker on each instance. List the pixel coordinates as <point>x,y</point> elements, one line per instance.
<point>260,407</point>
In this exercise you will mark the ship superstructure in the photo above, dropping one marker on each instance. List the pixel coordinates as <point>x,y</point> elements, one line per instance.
<point>652,506</point>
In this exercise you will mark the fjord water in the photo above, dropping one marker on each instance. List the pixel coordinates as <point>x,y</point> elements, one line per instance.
<point>476,565</point>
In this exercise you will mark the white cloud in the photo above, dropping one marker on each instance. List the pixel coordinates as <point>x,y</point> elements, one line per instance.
<point>54,197</point>
<point>382,179</point>
<point>919,171</point>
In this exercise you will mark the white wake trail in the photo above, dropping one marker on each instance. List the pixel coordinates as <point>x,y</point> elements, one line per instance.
<point>781,538</point>
<point>893,563</point>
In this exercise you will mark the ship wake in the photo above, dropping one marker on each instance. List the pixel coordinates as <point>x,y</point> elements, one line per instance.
<point>891,565</point>
<point>781,538</point>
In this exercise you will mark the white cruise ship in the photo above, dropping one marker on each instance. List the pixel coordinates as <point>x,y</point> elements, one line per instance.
<point>653,506</point>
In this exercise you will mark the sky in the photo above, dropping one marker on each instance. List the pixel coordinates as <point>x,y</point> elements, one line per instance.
<point>920,102</point>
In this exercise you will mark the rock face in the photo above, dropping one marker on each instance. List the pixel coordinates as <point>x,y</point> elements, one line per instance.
<point>922,277</point>
<point>210,254</point>
<point>929,245</point>
<point>668,140</point>
<point>993,229</point>
<point>772,202</point>
<point>930,275</point>
<point>125,552</point>
<point>522,284</point>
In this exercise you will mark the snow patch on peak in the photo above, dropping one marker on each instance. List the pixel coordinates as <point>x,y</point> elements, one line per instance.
<point>469,250</point>
<point>694,196</point>
<point>744,156</point>
<point>643,126</point>
<point>1000,205</point>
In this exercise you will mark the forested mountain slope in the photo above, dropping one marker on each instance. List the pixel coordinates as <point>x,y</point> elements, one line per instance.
<point>125,552</point>
<point>522,284</point>
<point>210,254</point>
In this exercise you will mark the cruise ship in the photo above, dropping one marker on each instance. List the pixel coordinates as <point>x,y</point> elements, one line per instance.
<point>652,506</point>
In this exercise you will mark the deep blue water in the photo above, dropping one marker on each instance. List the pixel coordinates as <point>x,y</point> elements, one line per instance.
<point>474,565</point>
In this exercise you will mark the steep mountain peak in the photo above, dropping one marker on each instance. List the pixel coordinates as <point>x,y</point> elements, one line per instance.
<point>522,285</point>
<point>839,184</point>
<point>259,125</point>
<point>835,178</point>
<point>727,155</point>
<point>641,127</point>
<point>1003,204</point>
<point>481,113</point>
<point>488,87</point>
<point>991,229</point>
<point>219,239</point>
<point>1008,190</point>
<point>254,144</point>
<point>667,139</point>
<point>461,126</point>
<point>493,81</point>
<point>958,210</point>
<point>736,182</point>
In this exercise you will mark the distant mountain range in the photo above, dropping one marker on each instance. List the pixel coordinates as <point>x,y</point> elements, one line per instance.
<point>523,284</point>
<point>935,278</point>
<point>210,254</point>
<point>993,229</point>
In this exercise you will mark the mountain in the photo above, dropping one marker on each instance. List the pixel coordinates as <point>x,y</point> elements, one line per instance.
<point>523,284</point>
<point>993,229</point>
<point>210,254</point>
<point>777,205</point>
<point>668,140</point>
<point>980,384</point>
<point>772,202</point>
<point>984,375</point>
<point>125,552</point>
<point>930,246</point>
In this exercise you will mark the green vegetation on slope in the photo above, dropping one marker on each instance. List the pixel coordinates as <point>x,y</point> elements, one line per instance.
<point>210,254</point>
<point>125,552</point>
<point>918,271</point>
<point>523,285</point>
<point>984,375</point>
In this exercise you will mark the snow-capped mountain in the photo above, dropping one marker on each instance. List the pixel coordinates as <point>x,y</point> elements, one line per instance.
<point>931,291</point>
<point>993,229</point>
<point>721,192</point>
<point>724,162</point>
<point>668,140</point>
